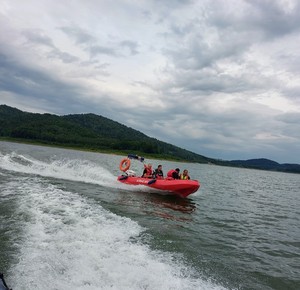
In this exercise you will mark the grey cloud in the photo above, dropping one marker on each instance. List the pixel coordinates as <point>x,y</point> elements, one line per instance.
<point>182,30</point>
<point>293,93</point>
<point>194,63</point>
<point>172,5</point>
<point>210,80</point>
<point>114,50</point>
<point>266,18</point>
<point>131,45</point>
<point>35,85</point>
<point>290,118</point>
<point>105,50</point>
<point>101,68</point>
<point>195,53</point>
<point>235,32</point>
<point>273,18</point>
<point>232,135</point>
<point>41,89</point>
<point>63,56</point>
<point>90,43</point>
<point>37,36</point>
<point>79,35</point>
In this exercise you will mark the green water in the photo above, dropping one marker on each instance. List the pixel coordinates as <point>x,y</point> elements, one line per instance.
<point>66,223</point>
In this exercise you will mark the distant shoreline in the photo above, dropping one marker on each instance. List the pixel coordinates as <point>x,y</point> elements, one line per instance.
<point>104,151</point>
<point>95,133</point>
<point>241,165</point>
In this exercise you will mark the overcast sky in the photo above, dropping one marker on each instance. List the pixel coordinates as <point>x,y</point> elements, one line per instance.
<point>217,77</point>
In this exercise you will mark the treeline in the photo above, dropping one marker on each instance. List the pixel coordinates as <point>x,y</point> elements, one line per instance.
<point>87,131</point>
<point>93,132</point>
<point>266,164</point>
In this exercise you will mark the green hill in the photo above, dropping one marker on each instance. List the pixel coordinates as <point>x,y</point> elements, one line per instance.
<point>87,131</point>
<point>97,133</point>
<point>266,164</point>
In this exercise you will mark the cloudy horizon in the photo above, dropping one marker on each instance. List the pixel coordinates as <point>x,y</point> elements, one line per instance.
<point>219,78</point>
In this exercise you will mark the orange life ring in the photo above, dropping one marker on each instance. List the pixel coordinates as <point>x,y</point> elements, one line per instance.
<point>125,164</point>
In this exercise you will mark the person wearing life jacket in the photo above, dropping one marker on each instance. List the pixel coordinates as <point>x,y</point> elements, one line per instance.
<point>147,173</point>
<point>158,173</point>
<point>173,173</point>
<point>185,175</point>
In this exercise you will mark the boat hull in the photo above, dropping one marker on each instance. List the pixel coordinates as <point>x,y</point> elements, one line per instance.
<point>178,187</point>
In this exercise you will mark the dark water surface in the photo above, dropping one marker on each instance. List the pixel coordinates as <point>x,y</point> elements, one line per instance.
<point>66,223</point>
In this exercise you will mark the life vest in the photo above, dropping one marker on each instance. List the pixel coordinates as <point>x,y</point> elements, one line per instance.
<point>170,173</point>
<point>148,170</point>
<point>183,177</point>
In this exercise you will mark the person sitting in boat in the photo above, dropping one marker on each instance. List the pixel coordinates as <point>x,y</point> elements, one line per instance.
<point>173,173</point>
<point>147,173</point>
<point>158,173</point>
<point>185,175</point>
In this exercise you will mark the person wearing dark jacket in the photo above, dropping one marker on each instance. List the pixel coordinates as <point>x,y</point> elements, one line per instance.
<point>158,173</point>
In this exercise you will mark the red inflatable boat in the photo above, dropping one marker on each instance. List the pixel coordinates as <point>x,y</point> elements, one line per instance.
<point>178,187</point>
<point>166,186</point>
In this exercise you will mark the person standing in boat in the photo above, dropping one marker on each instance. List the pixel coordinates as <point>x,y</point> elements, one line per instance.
<point>158,173</point>
<point>173,173</point>
<point>185,175</point>
<point>147,173</point>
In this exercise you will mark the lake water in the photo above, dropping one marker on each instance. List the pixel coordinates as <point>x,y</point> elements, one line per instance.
<point>66,223</point>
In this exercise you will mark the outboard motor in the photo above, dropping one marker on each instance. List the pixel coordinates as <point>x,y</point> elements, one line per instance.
<point>130,172</point>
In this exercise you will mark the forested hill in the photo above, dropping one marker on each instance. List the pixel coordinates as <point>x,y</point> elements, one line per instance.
<point>87,131</point>
<point>93,132</point>
<point>266,164</point>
